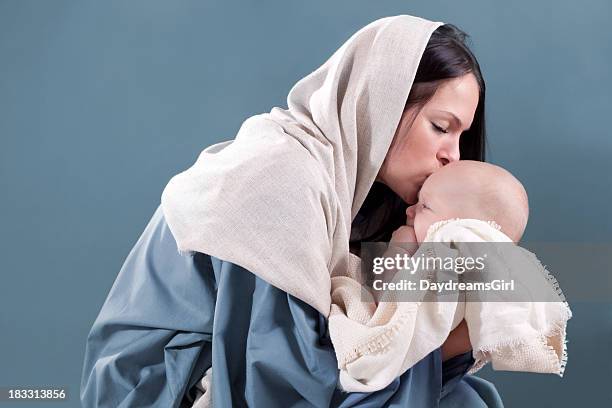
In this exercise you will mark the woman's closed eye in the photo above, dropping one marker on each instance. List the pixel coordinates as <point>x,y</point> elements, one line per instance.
<point>439,129</point>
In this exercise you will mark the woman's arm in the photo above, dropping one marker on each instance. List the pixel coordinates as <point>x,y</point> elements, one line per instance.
<point>457,342</point>
<point>152,338</point>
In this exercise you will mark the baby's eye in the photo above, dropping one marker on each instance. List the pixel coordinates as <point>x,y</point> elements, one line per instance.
<point>425,207</point>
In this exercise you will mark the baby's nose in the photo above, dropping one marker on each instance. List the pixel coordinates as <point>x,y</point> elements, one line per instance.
<point>410,214</point>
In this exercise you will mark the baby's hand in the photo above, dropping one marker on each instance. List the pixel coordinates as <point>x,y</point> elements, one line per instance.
<point>405,238</point>
<point>405,233</point>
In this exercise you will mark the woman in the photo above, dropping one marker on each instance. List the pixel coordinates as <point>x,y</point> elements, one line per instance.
<point>265,222</point>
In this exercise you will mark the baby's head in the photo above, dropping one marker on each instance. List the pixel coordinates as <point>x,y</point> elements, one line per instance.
<point>471,189</point>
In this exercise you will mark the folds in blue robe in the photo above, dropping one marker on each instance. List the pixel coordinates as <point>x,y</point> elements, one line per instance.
<point>169,317</point>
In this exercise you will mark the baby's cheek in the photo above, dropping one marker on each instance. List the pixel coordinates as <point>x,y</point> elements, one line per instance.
<point>420,230</point>
<point>422,224</point>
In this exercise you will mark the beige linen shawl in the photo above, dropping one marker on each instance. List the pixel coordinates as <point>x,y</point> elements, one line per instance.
<point>279,199</point>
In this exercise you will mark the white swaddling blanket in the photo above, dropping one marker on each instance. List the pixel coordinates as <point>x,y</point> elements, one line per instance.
<point>390,337</point>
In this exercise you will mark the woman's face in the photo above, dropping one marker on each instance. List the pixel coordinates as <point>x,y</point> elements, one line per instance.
<point>433,139</point>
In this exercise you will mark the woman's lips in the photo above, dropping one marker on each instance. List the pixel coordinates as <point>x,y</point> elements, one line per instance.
<point>421,182</point>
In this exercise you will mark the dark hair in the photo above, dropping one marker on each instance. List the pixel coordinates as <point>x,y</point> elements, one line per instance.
<point>446,56</point>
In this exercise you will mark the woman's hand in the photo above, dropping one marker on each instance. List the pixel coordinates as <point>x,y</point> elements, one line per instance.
<point>457,342</point>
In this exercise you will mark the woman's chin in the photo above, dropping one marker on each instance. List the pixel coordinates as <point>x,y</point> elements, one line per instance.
<point>410,197</point>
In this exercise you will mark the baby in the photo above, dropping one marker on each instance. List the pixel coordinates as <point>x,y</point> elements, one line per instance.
<point>466,189</point>
<point>513,335</point>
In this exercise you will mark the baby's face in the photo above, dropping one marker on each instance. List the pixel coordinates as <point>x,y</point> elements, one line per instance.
<point>431,207</point>
<point>440,198</point>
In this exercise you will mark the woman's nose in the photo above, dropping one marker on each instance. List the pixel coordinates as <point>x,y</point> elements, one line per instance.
<point>449,153</point>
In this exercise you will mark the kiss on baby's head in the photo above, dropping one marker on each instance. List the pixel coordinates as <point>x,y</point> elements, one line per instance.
<point>471,189</point>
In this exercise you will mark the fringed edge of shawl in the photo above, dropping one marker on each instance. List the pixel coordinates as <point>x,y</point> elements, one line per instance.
<point>380,343</point>
<point>484,353</point>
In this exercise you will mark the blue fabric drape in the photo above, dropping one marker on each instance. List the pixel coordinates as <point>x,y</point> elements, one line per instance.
<point>169,317</point>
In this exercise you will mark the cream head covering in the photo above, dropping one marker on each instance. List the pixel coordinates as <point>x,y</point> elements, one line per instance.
<point>280,198</point>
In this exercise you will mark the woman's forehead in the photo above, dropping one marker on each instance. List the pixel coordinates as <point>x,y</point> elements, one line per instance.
<point>456,97</point>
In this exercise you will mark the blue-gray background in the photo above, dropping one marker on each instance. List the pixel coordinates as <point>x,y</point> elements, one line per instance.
<point>102,102</point>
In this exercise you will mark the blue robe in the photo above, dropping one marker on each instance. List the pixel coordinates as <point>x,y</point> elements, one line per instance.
<point>169,317</point>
